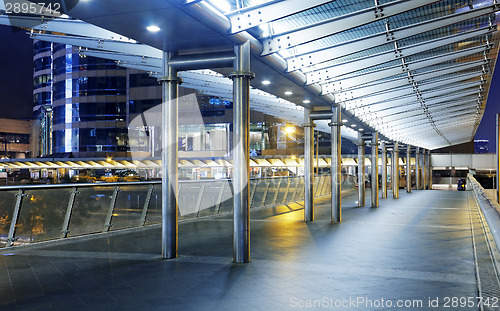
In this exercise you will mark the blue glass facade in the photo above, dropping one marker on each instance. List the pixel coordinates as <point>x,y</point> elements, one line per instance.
<point>86,98</point>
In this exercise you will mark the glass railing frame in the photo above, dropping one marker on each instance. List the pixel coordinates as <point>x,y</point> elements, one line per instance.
<point>267,186</point>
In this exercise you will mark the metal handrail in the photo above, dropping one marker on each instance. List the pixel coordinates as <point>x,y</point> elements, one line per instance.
<point>490,208</point>
<point>130,183</point>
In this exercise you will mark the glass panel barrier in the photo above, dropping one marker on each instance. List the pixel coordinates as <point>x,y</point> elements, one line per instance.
<point>226,205</point>
<point>7,204</point>
<point>90,210</point>
<point>213,196</point>
<point>154,208</point>
<point>188,198</point>
<point>272,190</point>
<point>292,189</point>
<point>128,208</point>
<point>260,191</point>
<point>282,189</point>
<point>41,215</point>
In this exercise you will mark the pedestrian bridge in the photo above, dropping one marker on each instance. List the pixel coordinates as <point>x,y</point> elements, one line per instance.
<point>427,250</point>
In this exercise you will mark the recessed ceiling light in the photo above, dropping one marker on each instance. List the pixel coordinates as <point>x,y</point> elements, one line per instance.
<point>288,93</point>
<point>354,125</point>
<point>360,130</point>
<point>307,101</point>
<point>153,28</point>
<point>266,82</point>
<point>344,120</point>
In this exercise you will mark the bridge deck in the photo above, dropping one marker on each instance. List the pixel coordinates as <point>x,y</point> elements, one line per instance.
<point>418,247</point>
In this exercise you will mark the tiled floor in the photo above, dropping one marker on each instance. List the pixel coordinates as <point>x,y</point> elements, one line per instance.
<point>414,249</point>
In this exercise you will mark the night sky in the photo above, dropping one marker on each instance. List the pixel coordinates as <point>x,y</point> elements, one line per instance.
<point>16,73</point>
<point>16,83</point>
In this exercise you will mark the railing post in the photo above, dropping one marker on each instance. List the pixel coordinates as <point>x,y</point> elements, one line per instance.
<point>112,204</point>
<point>15,216</point>
<point>219,197</point>
<point>200,197</point>
<point>286,191</point>
<point>264,195</point>
<point>142,221</point>
<point>69,211</point>
<point>277,191</point>
<point>297,183</point>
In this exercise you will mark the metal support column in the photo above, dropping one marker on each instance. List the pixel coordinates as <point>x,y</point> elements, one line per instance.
<point>241,119</point>
<point>395,174</point>
<point>308,167</point>
<point>417,168</point>
<point>408,168</point>
<point>374,180</point>
<point>384,169</point>
<point>361,170</point>
<point>169,157</point>
<point>429,169</point>
<point>335,165</point>
<point>424,171</point>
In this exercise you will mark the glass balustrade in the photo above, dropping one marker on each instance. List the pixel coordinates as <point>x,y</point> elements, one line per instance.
<point>39,213</point>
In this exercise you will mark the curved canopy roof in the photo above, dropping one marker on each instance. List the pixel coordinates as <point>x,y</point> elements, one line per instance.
<point>417,71</point>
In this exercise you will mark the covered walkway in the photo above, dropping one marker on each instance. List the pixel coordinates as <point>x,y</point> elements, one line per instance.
<point>409,251</point>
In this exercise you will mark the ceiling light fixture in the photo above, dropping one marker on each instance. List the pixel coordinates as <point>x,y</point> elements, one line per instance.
<point>266,82</point>
<point>153,28</point>
<point>307,101</point>
<point>288,93</point>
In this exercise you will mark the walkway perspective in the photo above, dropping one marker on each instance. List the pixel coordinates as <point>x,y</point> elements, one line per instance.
<point>414,253</point>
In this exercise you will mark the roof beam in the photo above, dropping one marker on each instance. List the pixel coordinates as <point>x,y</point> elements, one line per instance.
<point>392,121</point>
<point>326,72</point>
<point>131,59</point>
<point>418,110</point>
<point>102,45</point>
<point>360,79</point>
<point>456,117</point>
<point>357,98</point>
<point>62,25</point>
<point>314,57</point>
<point>377,108</point>
<point>392,84</point>
<point>249,17</point>
<point>338,24</point>
<point>392,101</point>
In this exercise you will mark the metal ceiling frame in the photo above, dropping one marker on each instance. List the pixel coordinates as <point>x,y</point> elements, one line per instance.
<point>327,72</point>
<point>384,85</point>
<point>407,67</point>
<point>323,29</point>
<point>307,59</point>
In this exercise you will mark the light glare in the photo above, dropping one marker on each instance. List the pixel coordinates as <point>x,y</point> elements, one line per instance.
<point>153,28</point>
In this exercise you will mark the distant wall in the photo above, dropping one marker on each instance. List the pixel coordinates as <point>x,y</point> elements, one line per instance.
<point>481,161</point>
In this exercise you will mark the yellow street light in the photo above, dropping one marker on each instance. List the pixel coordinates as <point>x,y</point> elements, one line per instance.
<point>289,129</point>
